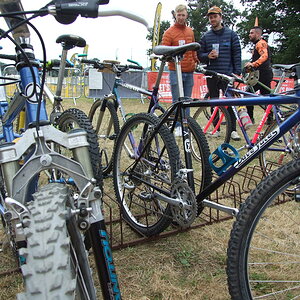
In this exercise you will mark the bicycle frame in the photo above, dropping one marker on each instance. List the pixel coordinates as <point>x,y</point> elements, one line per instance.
<point>262,145</point>
<point>154,101</point>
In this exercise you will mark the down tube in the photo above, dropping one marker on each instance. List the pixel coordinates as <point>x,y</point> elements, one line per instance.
<point>251,154</point>
<point>104,261</point>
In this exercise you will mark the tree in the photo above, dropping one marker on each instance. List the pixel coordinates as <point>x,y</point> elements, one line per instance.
<point>280,19</point>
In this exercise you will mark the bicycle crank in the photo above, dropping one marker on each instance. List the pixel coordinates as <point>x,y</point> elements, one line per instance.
<point>184,215</point>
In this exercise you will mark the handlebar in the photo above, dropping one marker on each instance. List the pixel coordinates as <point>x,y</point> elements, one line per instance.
<point>9,57</point>
<point>113,66</point>
<point>230,79</point>
<point>90,9</point>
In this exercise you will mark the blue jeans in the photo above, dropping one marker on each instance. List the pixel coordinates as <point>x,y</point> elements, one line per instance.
<point>188,83</point>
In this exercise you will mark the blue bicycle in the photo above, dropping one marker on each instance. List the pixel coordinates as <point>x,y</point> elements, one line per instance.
<point>51,201</point>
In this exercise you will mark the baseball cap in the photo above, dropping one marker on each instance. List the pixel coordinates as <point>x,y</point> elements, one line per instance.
<point>214,10</point>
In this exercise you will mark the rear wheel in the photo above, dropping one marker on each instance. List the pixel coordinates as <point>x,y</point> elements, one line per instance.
<point>104,118</point>
<point>200,156</point>
<point>74,118</point>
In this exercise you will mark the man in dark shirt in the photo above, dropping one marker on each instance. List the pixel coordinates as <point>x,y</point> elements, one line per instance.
<point>261,60</point>
<point>221,51</point>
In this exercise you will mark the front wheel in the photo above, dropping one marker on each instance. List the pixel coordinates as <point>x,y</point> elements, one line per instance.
<point>56,262</point>
<point>138,180</point>
<point>263,258</point>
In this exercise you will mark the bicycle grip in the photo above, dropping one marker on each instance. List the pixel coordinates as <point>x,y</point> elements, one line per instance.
<point>135,67</point>
<point>8,56</point>
<point>96,64</point>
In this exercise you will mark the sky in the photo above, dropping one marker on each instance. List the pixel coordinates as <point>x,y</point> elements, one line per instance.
<point>108,37</point>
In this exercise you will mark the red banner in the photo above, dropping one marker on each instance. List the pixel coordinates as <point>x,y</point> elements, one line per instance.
<point>200,87</point>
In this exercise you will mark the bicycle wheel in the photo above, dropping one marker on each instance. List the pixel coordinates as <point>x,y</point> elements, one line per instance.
<point>283,150</point>
<point>216,125</point>
<point>136,185</point>
<point>263,258</point>
<point>200,154</point>
<point>104,118</point>
<point>75,118</point>
<point>56,263</point>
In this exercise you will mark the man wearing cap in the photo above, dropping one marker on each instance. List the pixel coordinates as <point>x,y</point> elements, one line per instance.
<point>178,35</point>
<point>221,51</point>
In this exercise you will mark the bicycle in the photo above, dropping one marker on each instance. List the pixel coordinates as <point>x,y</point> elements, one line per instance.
<point>152,220</point>
<point>238,265</point>
<point>104,117</point>
<point>48,218</point>
<point>287,146</point>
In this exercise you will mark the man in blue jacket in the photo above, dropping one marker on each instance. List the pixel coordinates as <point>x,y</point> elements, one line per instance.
<point>221,51</point>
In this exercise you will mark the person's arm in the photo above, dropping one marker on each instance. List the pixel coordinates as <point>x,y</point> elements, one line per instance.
<point>202,52</point>
<point>236,54</point>
<point>195,57</point>
<point>166,39</point>
<point>262,48</point>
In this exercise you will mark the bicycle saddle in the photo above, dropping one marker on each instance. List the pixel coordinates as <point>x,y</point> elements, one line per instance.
<point>286,67</point>
<point>175,50</point>
<point>70,41</point>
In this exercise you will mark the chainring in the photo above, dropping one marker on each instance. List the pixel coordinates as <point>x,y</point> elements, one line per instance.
<point>183,216</point>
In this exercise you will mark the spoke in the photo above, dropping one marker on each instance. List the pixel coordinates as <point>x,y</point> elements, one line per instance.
<point>278,292</point>
<point>277,252</point>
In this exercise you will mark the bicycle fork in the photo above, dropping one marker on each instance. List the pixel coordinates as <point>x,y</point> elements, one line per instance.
<point>89,204</point>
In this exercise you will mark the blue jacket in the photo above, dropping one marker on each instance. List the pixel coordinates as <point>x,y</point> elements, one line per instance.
<point>229,60</point>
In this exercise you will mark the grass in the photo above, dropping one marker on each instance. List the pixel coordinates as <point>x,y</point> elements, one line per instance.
<point>187,265</point>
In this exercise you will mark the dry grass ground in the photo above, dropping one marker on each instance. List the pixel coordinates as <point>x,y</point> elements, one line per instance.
<point>188,265</point>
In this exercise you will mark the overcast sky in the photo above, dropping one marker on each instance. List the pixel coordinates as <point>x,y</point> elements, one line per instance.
<point>107,37</point>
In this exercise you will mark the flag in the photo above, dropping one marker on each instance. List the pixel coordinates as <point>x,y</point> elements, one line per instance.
<point>156,27</point>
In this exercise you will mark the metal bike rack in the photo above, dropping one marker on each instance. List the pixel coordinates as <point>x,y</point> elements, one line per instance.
<point>232,193</point>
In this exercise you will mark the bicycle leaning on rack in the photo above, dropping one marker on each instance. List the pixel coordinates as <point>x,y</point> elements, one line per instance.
<point>277,272</point>
<point>104,117</point>
<point>51,202</point>
<point>283,150</point>
<point>152,219</point>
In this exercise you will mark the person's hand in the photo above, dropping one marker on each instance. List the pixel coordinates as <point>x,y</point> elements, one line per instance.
<point>213,54</point>
<point>248,65</point>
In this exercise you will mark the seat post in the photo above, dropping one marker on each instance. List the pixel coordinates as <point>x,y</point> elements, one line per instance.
<point>179,77</point>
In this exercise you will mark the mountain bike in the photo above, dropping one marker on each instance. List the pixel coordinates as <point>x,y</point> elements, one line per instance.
<point>229,165</point>
<point>145,197</point>
<point>104,116</point>
<point>53,221</point>
<point>281,151</point>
